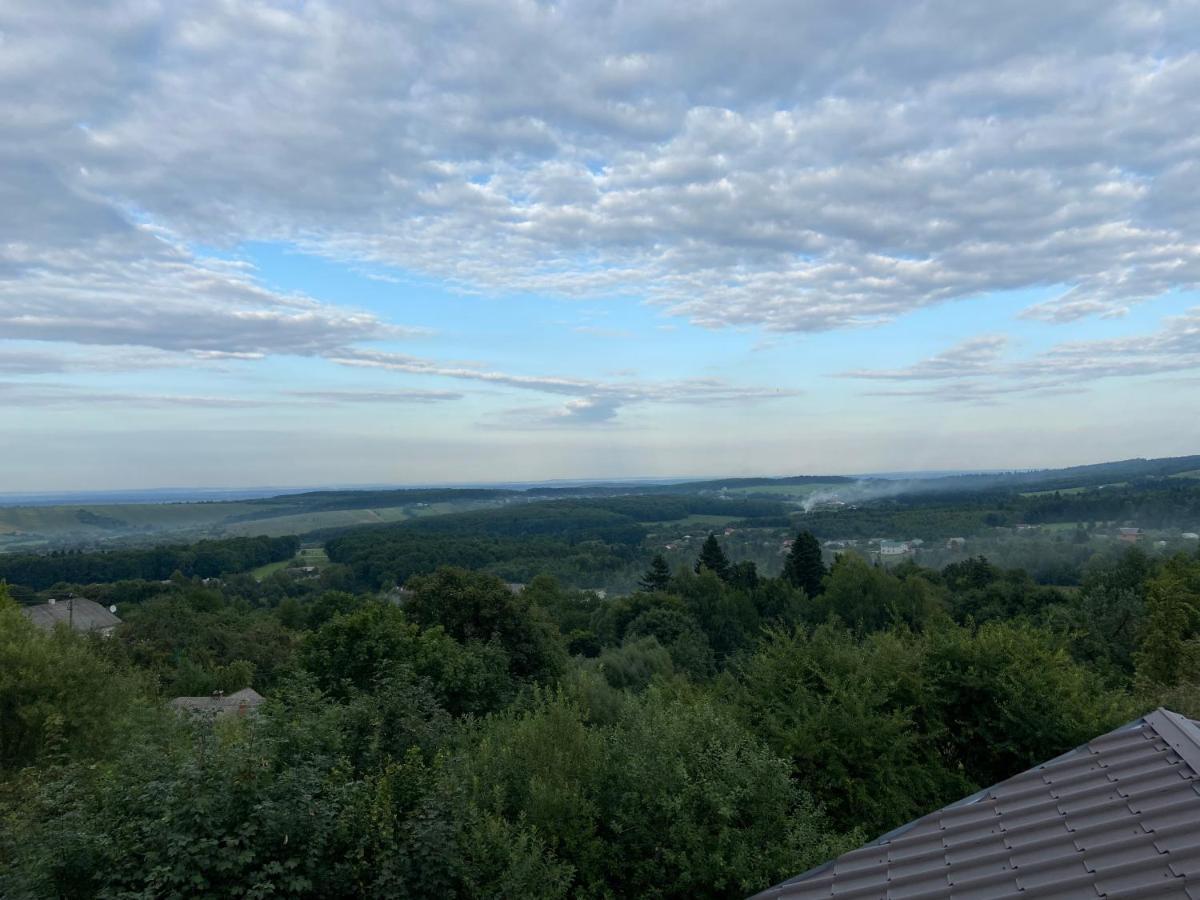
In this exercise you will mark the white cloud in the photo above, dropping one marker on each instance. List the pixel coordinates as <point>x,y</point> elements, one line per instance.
<point>385,397</point>
<point>739,163</point>
<point>34,394</point>
<point>977,355</point>
<point>592,401</point>
<point>978,369</point>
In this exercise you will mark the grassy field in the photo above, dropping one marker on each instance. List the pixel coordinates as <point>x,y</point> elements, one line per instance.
<point>1064,492</point>
<point>271,568</point>
<point>1193,473</point>
<point>306,556</point>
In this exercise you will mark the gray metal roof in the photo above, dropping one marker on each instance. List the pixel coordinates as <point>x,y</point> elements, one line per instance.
<point>247,700</point>
<point>86,615</point>
<point>1117,817</point>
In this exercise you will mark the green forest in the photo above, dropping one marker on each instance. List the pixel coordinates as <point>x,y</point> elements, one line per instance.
<point>449,714</point>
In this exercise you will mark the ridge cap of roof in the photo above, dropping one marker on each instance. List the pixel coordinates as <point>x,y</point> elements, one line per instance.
<point>1180,732</point>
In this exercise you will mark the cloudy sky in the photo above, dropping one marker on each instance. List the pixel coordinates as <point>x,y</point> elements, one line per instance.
<point>248,243</point>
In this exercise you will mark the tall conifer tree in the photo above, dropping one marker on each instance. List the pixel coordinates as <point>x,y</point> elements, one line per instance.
<point>803,566</point>
<point>713,558</point>
<point>658,576</point>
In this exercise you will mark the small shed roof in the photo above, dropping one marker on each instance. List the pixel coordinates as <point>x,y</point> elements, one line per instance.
<point>82,614</point>
<point>241,702</point>
<point>1116,817</point>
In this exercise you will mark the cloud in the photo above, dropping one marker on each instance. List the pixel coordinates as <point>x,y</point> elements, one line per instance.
<point>736,163</point>
<point>977,369</point>
<point>588,412</point>
<point>974,356</point>
<point>594,401</point>
<point>92,277</point>
<point>19,393</point>
<point>382,396</point>
<point>26,394</point>
<point>976,393</point>
<point>1175,347</point>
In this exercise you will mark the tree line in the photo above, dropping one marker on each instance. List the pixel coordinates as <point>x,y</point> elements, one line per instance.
<point>204,559</point>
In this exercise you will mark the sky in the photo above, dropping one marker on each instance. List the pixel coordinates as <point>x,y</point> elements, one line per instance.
<point>303,243</point>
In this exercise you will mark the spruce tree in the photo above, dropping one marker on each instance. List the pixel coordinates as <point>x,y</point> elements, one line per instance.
<point>712,557</point>
<point>658,576</point>
<point>744,575</point>
<point>803,566</point>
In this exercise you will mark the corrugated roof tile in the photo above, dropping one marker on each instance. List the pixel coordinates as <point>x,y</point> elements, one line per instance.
<point>912,888</point>
<point>1119,816</point>
<point>1185,861</point>
<point>1142,875</point>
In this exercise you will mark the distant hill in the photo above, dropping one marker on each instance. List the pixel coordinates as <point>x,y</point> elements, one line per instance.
<point>28,522</point>
<point>1094,475</point>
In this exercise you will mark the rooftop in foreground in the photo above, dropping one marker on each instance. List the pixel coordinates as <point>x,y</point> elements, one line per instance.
<point>1117,817</point>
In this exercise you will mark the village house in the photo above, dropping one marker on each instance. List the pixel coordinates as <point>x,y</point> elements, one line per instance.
<point>1131,535</point>
<point>77,613</point>
<point>241,703</point>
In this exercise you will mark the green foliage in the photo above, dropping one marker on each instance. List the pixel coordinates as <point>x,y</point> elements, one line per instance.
<point>887,726</point>
<point>635,664</point>
<point>385,556</point>
<point>727,616</point>
<point>257,809</point>
<point>1169,644</point>
<point>573,611</point>
<point>804,567</point>
<point>672,799</point>
<point>473,607</point>
<point>848,715</point>
<point>657,577</point>
<point>1016,698</point>
<point>713,558</point>
<point>195,641</point>
<point>981,592</point>
<point>744,575</point>
<point>870,598</point>
<point>205,559</point>
<point>357,651</point>
<point>679,633</point>
<point>61,697</point>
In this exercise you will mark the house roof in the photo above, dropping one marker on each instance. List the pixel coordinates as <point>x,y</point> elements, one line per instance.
<point>87,615</point>
<point>1117,817</point>
<point>245,700</point>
